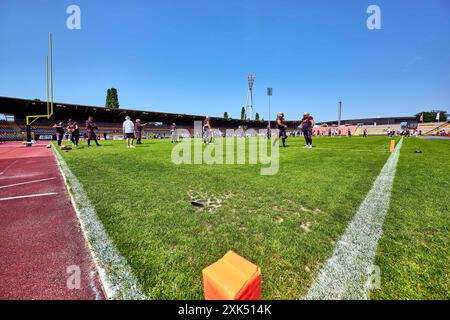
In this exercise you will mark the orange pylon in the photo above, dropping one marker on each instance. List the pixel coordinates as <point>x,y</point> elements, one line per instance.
<point>232,278</point>
<point>392,148</point>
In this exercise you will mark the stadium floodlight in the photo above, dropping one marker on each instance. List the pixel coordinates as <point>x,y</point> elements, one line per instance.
<point>339,113</point>
<point>251,81</point>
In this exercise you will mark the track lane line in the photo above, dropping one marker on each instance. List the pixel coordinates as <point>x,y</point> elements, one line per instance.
<point>27,182</point>
<point>29,196</point>
<point>8,167</point>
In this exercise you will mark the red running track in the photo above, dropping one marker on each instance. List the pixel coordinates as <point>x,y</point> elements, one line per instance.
<point>40,237</point>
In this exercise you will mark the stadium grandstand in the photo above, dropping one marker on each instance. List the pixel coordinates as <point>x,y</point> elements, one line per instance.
<point>109,122</point>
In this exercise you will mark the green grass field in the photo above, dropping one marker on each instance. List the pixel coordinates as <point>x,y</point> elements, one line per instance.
<point>287,223</point>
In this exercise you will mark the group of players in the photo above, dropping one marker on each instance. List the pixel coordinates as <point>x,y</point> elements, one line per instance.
<point>306,126</point>
<point>133,131</point>
<point>72,129</point>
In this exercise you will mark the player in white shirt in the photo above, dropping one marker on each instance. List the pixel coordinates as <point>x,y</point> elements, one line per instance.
<point>128,131</point>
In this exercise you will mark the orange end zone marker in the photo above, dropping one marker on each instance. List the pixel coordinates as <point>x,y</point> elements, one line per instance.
<point>392,148</point>
<point>232,278</point>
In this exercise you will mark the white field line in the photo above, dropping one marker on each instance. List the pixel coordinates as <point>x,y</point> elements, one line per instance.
<point>115,274</point>
<point>345,150</point>
<point>9,166</point>
<point>25,183</point>
<point>29,196</point>
<point>346,275</point>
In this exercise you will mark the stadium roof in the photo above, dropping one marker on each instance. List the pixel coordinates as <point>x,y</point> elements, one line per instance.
<point>24,107</point>
<point>20,108</point>
<point>370,121</point>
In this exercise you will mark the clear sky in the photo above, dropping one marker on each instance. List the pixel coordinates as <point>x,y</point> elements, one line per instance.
<point>194,56</point>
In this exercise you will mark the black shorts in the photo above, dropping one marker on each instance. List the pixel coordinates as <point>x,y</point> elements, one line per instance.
<point>129,135</point>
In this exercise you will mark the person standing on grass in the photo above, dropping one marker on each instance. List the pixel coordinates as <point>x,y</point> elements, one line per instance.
<point>75,134</point>
<point>281,126</point>
<point>138,127</point>
<point>207,137</point>
<point>90,129</point>
<point>307,125</point>
<point>69,129</point>
<point>268,132</point>
<point>59,132</point>
<point>128,131</point>
<point>365,133</point>
<point>173,131</point>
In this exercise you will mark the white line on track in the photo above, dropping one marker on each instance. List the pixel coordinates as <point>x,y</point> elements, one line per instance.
<point>347,273</point>
<point>27,182</point>
<point>115,274</point>
<point>29,196</point>
<point>9,166</point>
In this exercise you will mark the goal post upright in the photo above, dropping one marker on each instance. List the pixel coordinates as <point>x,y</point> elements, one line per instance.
<point>46,84</point>
<point>51,76</point>
<point>49,93</point>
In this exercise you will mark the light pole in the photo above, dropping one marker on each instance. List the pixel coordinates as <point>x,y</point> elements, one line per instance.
<point>251,80</point>
<point>340,113</point>
<point>269,94</point>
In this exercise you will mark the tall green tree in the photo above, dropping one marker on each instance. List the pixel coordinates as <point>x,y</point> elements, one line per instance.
<point>108,98</point>
<point>243,113</point>
<point>257,116</point>
<point>430,116</point>
<point>225,115</point>
<point>112,99</point>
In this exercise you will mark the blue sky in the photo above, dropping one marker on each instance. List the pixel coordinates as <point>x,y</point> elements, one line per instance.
<point>194,56</point>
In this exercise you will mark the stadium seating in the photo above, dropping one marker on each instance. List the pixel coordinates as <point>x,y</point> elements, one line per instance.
<point>7,132</point>
<point>380,130</point>
<point>435,128</point>
<point>323,131</point>
<point>45,127</point>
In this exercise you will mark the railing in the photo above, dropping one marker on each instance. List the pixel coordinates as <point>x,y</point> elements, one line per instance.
<point>437,129</point>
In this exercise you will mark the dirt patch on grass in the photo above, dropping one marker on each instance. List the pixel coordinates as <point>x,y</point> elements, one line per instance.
<point>206,201</point>
<point>306,226</point>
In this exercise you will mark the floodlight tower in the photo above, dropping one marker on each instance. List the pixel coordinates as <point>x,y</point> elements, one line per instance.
<point>251,80</point>
<point>339,113</point>
<point>269,94</point>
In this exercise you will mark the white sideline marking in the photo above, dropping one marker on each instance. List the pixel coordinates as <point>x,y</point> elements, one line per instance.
<point>346,274</point>
<point>29,196</point>
<point>357,150</point>
<point>115,274</point>
<point>28,182</point>
<point>93,284</point>
<point>9,166</point>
